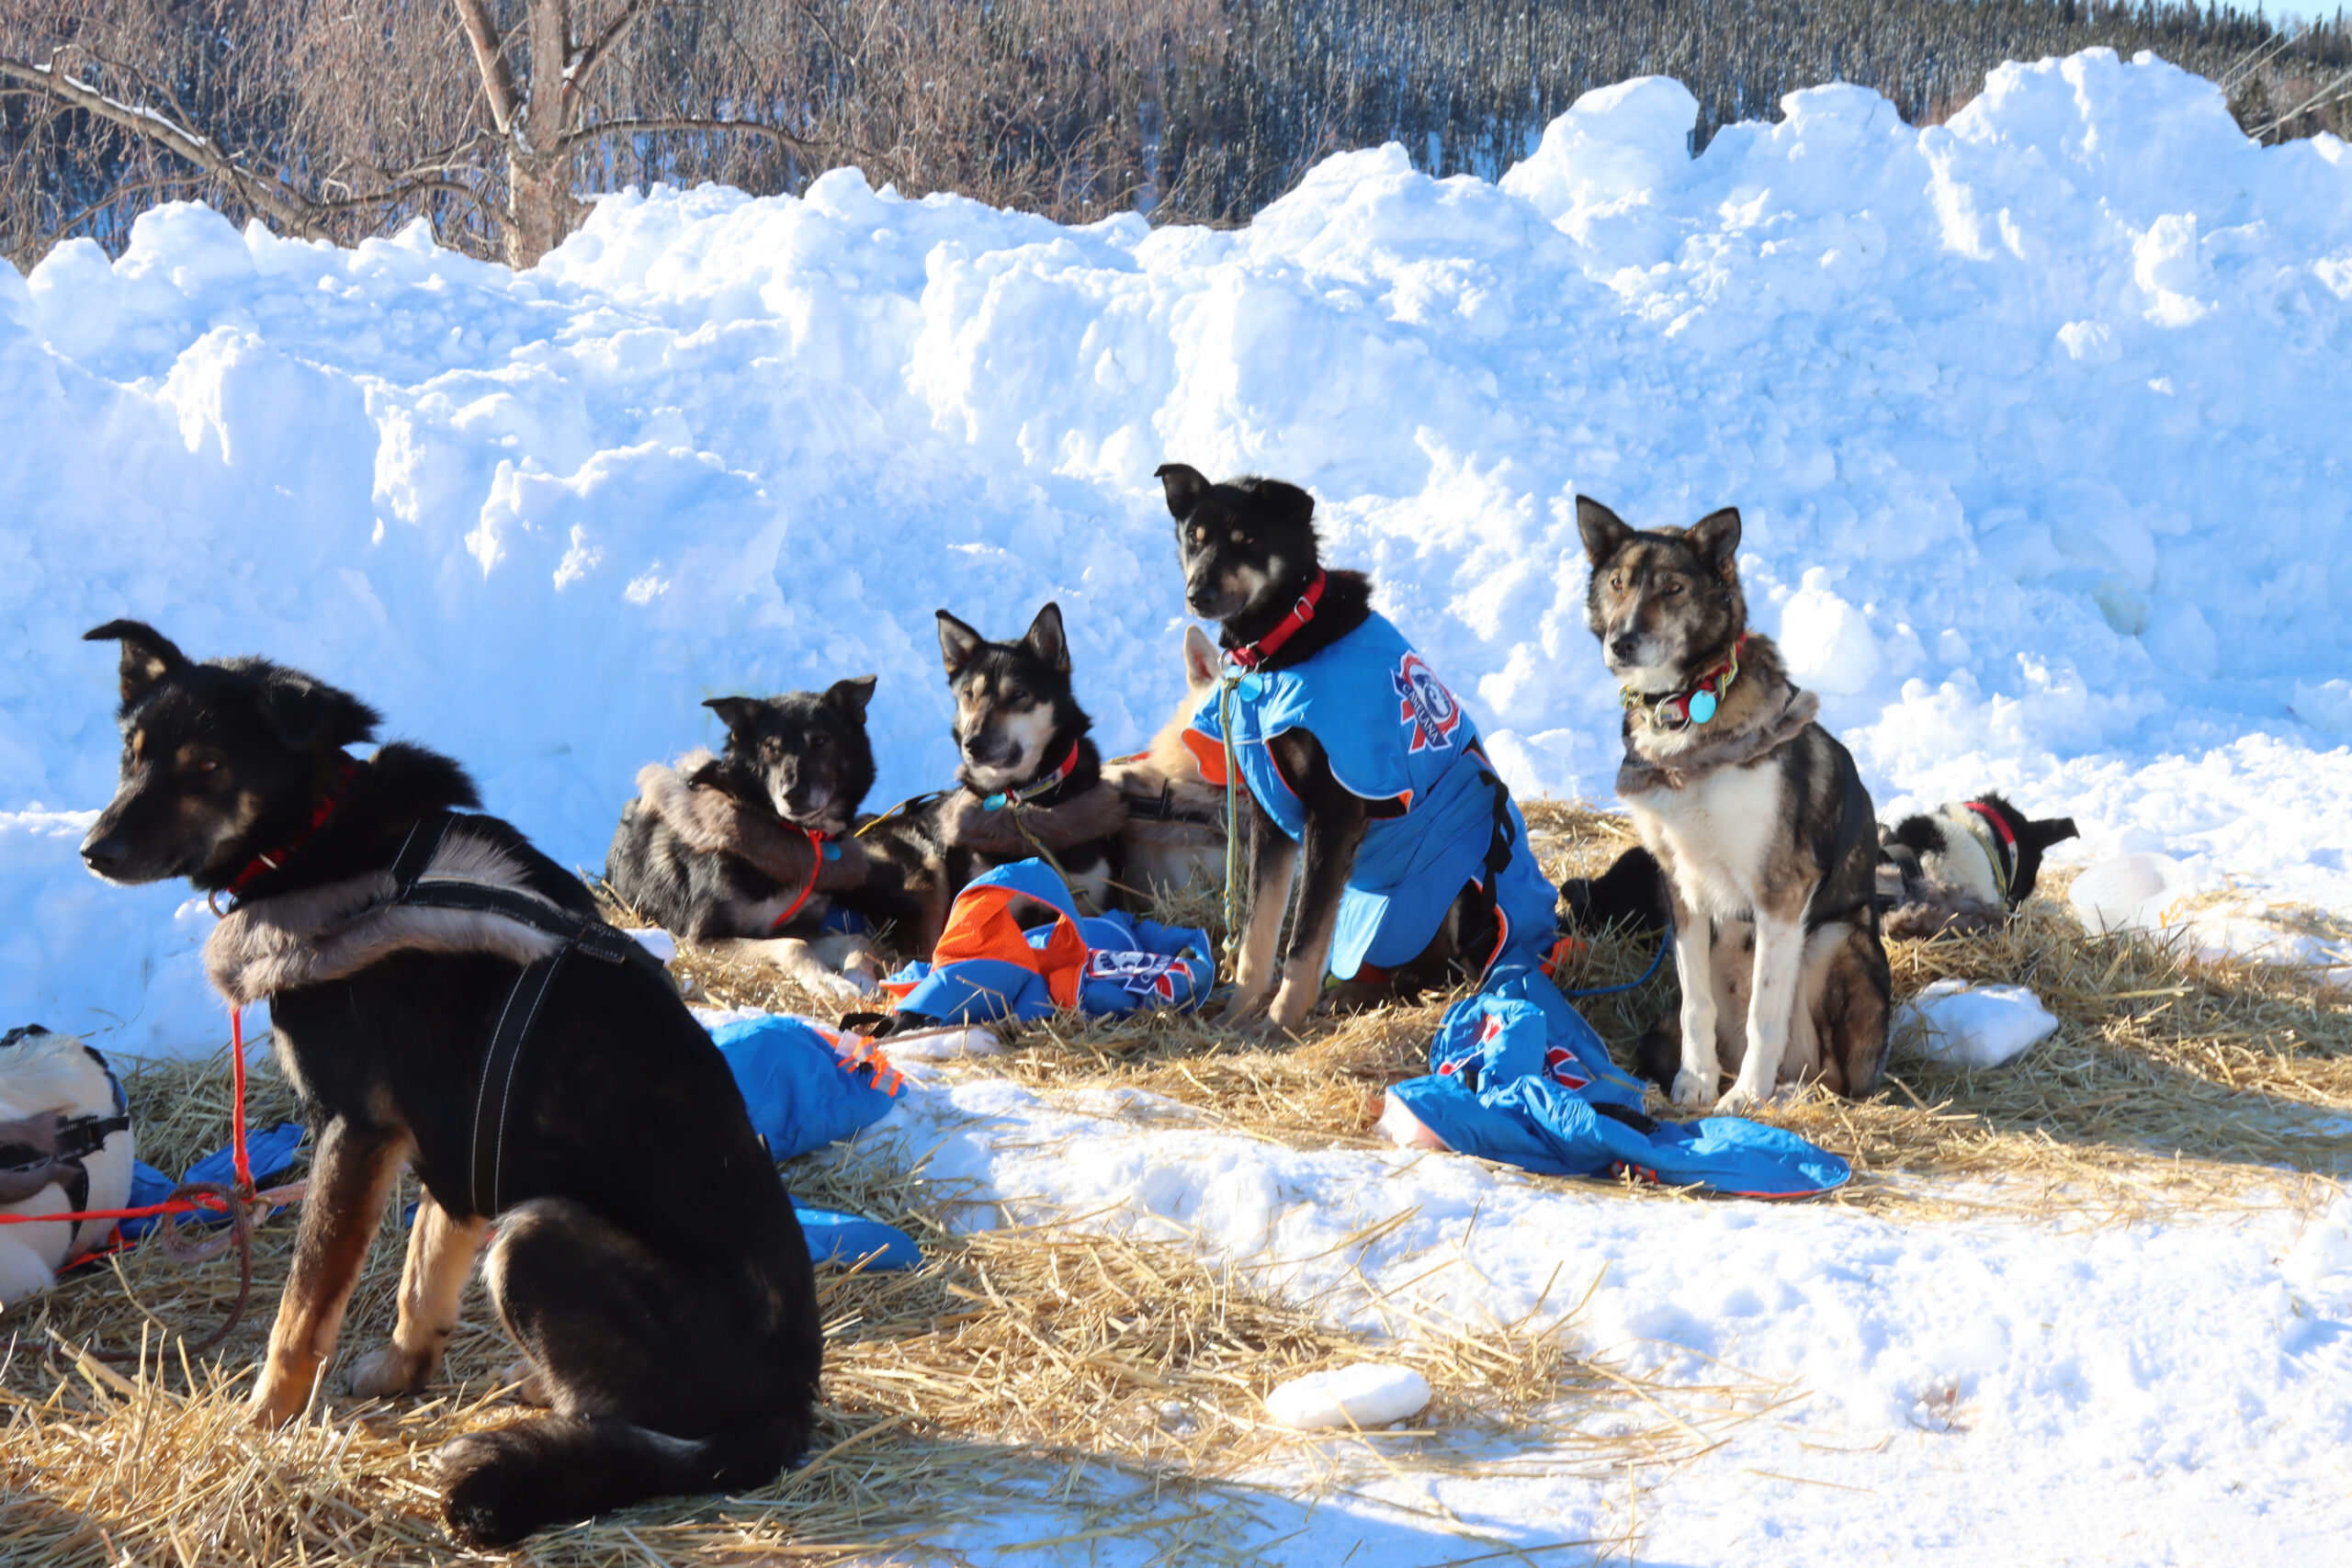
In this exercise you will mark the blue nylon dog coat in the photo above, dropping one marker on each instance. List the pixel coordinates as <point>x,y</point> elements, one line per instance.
<point>1520,1077</point>
<point>1393,734</point>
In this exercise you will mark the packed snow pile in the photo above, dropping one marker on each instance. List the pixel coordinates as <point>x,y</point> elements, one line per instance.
<point>2035,418</point>
<point>1367,1394</point>
<point>1963,1025</point>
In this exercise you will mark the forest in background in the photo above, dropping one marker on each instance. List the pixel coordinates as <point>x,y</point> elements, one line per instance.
<point>340,118</point>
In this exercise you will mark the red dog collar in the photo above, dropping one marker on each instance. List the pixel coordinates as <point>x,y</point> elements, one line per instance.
<point>272,859</point>
<point>2006,864</point>
<point>1250,655</point>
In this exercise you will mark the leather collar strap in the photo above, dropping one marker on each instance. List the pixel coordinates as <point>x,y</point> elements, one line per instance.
<point>271,861</point>
<point>1030,792</point>
<point>2005,862</point>
<point>1696,704</point>
<point>1250,655</point>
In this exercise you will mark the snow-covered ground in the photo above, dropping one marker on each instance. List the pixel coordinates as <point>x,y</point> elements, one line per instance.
<point>1997,1391</point>
<point>2038,420</point>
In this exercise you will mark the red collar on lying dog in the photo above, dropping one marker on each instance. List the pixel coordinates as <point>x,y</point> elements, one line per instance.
<point>2005,864</point>
<point>1250,655</point>
<point>273,859</point>
<point>1697,704</point>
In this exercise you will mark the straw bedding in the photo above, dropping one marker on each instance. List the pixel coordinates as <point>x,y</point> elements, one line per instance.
<point>1116,1384</point>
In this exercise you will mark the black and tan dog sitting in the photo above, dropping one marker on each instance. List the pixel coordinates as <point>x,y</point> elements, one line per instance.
<point>444,995</point>
<point>1755,813</point>
<point>1028,781</point>
<point>750,852</point>
<point>1360,774</point>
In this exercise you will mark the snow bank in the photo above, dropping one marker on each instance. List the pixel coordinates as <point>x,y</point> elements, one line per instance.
<point>2035,418</point>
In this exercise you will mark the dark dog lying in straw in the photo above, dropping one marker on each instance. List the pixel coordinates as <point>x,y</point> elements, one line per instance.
<point>444,994</point>
<point>1755,813</point>
<point>749,851</point>
<point>1029,782</point>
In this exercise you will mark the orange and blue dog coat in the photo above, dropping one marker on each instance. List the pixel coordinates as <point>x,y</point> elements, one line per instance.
<point>989,965</point>
<point>1397,738</point>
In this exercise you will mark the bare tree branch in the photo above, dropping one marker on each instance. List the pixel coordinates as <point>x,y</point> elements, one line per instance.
<point>262,192</point>
<point>605,128</point>
<point>497,76</point>
<point>581,69</point>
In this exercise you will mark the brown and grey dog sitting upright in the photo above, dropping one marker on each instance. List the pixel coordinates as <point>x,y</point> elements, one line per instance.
<point>1754,812</point>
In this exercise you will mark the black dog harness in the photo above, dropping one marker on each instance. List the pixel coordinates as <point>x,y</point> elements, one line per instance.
<point>48,1150</point>
<point>494,1086</point>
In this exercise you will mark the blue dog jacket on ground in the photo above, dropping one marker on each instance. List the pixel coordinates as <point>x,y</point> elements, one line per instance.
<point>1520,1077</point>
<point>1393,734</point>
<point>986,966</point>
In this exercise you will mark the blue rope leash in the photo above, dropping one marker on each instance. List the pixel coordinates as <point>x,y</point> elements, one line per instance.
<point>1657,958</point>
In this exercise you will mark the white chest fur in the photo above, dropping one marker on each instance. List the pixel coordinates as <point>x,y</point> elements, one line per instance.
<point>1715,837</point>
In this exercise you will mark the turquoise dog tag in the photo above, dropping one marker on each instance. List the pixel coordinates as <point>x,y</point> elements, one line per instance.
<point>1702,707</point>
<point>1251,687</point>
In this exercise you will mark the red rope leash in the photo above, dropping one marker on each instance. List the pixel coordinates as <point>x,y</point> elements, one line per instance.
<point>816,869</point>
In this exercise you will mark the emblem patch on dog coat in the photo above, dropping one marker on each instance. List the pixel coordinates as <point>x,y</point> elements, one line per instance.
<point>1140,973</point>
<point>1428,707</point>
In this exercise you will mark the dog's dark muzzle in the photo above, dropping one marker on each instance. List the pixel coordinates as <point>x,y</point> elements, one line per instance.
<point>106,853</point>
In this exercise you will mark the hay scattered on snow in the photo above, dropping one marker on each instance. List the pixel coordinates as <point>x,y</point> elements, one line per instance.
<point>1112,1383</point>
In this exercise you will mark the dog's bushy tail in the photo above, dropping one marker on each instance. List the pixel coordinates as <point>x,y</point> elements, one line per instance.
<point>499,1486</point>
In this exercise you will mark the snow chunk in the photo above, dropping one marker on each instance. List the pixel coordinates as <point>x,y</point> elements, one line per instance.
<point>1369,1393</point>
<point>1825,642</point>
<point>2129,893</point>
<point>1975,1026</point>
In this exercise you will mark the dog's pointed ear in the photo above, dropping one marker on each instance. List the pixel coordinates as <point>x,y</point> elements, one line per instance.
<point>310,715</point>
<point>1044,639</point>
<point>851,696</point>
<point>1185,485</point>
<point>1287,502</point>
<point>1717,538</point>
<point>1604,532</point>
<point>738,714</point>
<point>1201,658</point>
<point>147,655</point>
<point>957,643</point>
<point>2049,830</point>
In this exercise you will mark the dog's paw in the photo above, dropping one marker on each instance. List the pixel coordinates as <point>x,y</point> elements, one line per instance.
<point>383,1373</point>
<point>1691,1089</point>
<point>1738,1100</point>
<point>839,988</point>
